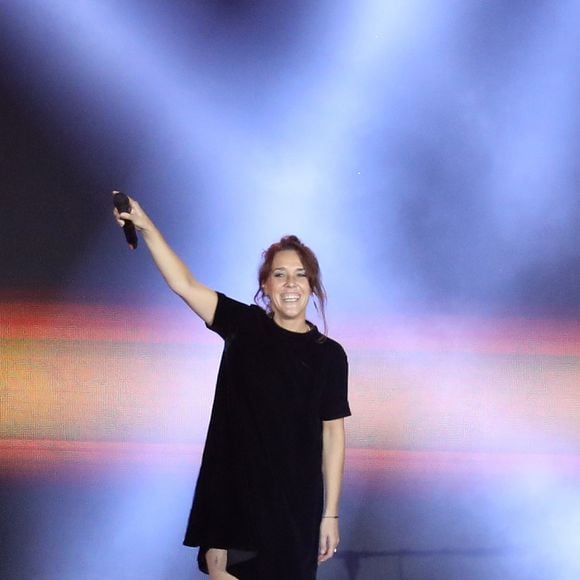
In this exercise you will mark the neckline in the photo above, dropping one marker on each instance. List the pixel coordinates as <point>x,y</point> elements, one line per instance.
<point>311,332</point>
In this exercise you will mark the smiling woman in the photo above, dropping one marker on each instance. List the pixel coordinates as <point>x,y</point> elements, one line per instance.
<point>288,276</point>
<point>267,497</point>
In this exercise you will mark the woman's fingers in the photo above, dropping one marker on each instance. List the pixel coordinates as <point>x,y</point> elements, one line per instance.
<point>323,548</point>
<point>327,549</point>
<point>136,215</point>
<point>121,217</point>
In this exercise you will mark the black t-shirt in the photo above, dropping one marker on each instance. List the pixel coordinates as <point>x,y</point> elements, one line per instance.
<point>259,491</point>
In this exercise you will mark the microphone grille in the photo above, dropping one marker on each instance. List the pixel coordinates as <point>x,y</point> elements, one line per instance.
<point>121,202</point>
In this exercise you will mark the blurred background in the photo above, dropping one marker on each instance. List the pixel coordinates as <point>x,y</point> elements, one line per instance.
<point>427,152</point>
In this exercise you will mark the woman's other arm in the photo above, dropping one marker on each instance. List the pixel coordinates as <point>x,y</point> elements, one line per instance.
<point>201,299</point>
<point>333,443</point>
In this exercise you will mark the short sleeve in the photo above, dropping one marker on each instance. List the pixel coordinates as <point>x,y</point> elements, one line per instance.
<point>334,404</point>
<point>228,316</point>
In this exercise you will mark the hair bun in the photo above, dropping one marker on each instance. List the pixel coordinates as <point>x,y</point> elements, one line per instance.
<point>290,239</point>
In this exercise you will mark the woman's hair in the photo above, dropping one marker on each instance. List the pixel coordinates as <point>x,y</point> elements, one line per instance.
<point>310,263</point>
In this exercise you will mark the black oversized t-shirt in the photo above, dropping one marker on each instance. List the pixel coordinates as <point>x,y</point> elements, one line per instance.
<point>260,488</point>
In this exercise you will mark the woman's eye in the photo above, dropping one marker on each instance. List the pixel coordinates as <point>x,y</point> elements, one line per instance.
<point>278,274</point>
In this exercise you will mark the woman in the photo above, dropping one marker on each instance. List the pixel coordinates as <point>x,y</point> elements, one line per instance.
<point>267,496</point>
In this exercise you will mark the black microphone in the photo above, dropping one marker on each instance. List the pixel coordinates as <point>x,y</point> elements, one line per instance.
<point>121,202</point>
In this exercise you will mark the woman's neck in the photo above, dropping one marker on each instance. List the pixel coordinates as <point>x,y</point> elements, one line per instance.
<point>293,325</point>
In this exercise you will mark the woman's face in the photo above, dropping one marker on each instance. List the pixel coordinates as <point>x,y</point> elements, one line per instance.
<point>287,287</point>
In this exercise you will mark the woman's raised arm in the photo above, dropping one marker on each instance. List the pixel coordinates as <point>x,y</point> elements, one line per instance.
<point>201,299</point>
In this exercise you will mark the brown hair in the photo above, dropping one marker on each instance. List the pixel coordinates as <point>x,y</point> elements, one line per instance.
<point>310,263</point>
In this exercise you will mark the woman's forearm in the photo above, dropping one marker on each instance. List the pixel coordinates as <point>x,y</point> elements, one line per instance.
<point>172,268</point>
<point>333,444</point>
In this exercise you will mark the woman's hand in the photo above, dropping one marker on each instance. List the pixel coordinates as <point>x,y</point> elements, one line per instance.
<point>139,218</point>
<point>329,539</point>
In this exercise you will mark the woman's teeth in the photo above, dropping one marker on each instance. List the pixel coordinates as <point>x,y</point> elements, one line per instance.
<point>290,297</point>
